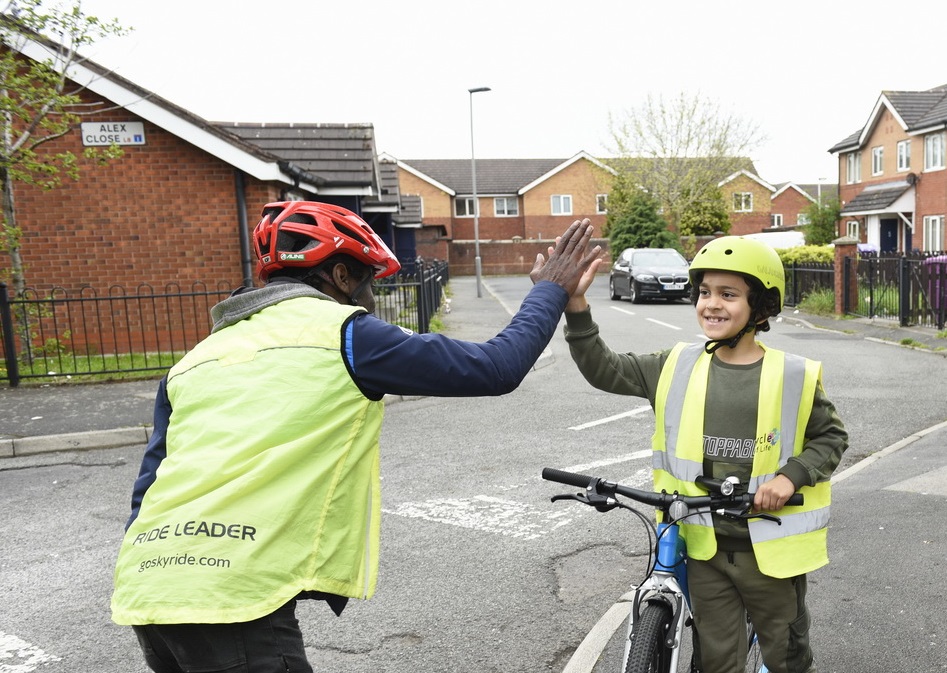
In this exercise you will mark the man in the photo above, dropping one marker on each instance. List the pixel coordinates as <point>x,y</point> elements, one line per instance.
<point>260,484</point>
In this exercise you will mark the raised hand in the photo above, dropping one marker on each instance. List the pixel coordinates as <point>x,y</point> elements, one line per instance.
<point>571,264</point>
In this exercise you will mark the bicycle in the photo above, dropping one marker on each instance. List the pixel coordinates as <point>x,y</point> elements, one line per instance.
<point>660,605</point>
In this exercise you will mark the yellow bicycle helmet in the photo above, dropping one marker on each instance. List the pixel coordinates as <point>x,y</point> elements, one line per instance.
<point>742,255</point>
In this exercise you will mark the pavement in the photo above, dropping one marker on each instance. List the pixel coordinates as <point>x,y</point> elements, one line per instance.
<point>50,417</point>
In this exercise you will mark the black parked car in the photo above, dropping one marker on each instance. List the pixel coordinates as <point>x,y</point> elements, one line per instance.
<point>645,273</point>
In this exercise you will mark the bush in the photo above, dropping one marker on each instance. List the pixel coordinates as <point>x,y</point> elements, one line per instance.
<point>807,254</point>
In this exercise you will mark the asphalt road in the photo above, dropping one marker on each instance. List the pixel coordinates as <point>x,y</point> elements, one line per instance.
<point>480,572</point>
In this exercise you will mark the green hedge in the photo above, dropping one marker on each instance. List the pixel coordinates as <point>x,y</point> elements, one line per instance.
<point>806,254</point>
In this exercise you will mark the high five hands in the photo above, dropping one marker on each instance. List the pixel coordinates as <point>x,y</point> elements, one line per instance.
<point>571,263</point>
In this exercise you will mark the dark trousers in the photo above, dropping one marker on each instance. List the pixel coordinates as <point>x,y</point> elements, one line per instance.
<point>271,644</point>
<point>727,587</point>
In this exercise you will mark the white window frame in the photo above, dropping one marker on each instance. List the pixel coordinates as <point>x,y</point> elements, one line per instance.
<point>904,155</point>
<point>877,160</point>
<point>934,151</point>
<point>601,204</point>
<point>933,233</point>
<point>560,204</point>
<point>776,220</point>
<point>854,168</point>
<point>467,201</point>
<point>852,229</point>
<point>743,202</point>
<point>501,206</point>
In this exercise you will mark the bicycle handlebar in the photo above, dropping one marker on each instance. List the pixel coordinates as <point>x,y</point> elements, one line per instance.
<point>661,500</point>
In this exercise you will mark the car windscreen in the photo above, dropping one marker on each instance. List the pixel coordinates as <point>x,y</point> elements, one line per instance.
<point>658,258</point>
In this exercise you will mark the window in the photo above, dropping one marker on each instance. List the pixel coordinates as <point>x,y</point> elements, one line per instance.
<point>934,151</point>
<point>933,232</point>
<point>506,206</point>
<point>743,202</point>
<point>877,160</point>
<point>851,229</point>
<point>776,220</point>
<point>904,155</point>
<point>464,206</point>
<point>854,167</point>
<point>561,204</point>
<point>601,204</point>
<point>802,219</point>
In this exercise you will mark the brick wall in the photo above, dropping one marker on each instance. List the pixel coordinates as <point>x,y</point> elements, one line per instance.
<point>164,213</point>
<point>498,258</point>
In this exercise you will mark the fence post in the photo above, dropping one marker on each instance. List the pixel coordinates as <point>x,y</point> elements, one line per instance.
<point>846,286</point>
<point>9,343</point>
<point>904,285</point>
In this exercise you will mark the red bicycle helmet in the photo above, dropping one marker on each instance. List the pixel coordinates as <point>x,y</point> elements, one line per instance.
<point>305,233</point>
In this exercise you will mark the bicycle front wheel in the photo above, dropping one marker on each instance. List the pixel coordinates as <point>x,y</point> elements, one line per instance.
<point>647,652</point>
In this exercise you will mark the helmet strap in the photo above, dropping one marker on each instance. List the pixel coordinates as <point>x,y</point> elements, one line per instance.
<point>359,289</point>
<point>713,345</point>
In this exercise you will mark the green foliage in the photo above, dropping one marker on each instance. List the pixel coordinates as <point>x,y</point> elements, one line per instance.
<point>818,302</point>
<point>633,221</point>
<point>806,254</point>
<point>823,219</point>
<point>705,216</point>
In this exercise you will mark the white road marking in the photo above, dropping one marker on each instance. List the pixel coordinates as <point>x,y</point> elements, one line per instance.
<point>663,324</point>
<point>19,656</point>
<point>622,310</point>
<point>487,513</point>
<point>637,455</point>
<point>609,419</point>
<point>512,518</point>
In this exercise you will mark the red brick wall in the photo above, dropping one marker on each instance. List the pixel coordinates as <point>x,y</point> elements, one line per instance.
<point>499,258</point>
<point>789,204</point>
<point>164,213</point>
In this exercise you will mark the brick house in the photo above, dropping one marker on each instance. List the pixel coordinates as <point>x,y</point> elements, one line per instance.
<point>178,207</point>
<point>749,201</point>
<point>789,202</point>
<point>522,205</point>
<point>892,177</point>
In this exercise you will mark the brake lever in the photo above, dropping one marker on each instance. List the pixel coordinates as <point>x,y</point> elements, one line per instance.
<point>745,513</point>
<point>600,502</point>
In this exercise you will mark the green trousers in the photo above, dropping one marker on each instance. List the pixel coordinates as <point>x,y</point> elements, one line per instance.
<point>727,587</point>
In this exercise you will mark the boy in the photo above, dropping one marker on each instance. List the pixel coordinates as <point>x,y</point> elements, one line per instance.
<point>733,407</point>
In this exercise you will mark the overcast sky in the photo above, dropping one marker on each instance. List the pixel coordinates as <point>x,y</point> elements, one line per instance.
<point>807,72</point>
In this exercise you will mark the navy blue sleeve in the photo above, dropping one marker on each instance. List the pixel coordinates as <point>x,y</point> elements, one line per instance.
<point>156,450</point>
<point>386,359</point>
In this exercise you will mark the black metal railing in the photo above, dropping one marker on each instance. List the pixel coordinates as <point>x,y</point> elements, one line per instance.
<point>59,334</point>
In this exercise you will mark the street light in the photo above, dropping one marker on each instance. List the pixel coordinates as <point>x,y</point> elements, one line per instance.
<point>473,174</point>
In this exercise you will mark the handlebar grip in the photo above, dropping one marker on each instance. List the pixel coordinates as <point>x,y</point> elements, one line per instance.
<point>796,499</point>
<point>570,478</point>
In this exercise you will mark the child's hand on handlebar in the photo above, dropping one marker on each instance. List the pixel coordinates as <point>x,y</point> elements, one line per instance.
<point>773,494</point>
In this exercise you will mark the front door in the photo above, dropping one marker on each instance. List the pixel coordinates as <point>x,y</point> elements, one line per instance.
<point>889,236</point>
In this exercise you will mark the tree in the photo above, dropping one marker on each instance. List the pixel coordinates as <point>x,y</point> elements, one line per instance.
<point>633,220</point>
<point>823,220</point>
<point>705,216</point>
<point>680,150</point>
<point>39,103</point>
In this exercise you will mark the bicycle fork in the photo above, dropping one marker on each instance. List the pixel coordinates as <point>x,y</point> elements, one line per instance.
<point>667,584</point>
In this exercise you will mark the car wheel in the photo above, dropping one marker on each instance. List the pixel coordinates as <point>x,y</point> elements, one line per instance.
<point>633,293</point>
<point>611,290</point>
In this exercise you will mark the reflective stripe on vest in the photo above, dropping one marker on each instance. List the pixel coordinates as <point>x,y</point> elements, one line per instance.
<point>787,389</point>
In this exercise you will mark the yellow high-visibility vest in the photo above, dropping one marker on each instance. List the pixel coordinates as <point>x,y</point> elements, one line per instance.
<point>271,483</point>
<point>787,389</point>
